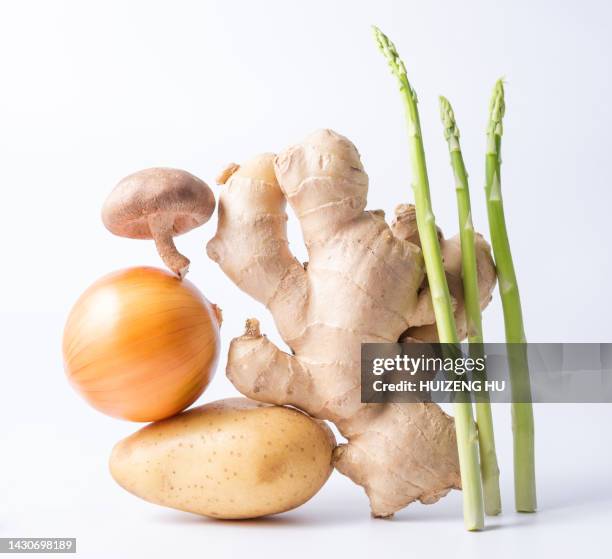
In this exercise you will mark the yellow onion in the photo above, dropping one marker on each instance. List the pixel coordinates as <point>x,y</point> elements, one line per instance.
<point>141,344</point>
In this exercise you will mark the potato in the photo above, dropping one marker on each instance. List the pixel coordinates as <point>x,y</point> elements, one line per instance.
<point>233,458</point>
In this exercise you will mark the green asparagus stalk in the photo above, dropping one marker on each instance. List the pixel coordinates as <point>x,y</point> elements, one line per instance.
<point>467,441</point>
<point>484,419</point>
<point>522,411</point>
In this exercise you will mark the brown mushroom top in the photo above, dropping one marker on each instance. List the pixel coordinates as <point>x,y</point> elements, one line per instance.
<point>173,196</point>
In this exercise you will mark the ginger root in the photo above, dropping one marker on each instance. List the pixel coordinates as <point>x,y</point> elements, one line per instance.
<point>364,282</point>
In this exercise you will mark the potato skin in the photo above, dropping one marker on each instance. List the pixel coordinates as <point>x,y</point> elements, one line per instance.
<point>229,459</point>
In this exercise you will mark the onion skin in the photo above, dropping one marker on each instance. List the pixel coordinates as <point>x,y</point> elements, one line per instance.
<point>140,344</point>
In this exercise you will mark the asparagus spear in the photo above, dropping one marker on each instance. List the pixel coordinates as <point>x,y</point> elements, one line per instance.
<point>471,294</point>
<point>522,411</point>
<point>467,441</point>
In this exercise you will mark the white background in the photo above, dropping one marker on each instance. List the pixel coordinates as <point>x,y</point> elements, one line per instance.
<point>93,91</point>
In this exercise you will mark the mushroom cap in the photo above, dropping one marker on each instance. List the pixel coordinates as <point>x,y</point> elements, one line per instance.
<point>183,200</point>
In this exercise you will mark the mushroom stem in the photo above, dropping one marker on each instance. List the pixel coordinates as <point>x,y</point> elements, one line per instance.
<point>161,231</point>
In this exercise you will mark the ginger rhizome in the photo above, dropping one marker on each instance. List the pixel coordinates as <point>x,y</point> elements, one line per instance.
<point>364,282</point>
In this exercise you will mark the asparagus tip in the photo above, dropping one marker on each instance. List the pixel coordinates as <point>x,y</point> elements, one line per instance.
<point>497,108</point>
<point>386,46</point>
<point>451,131</point>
